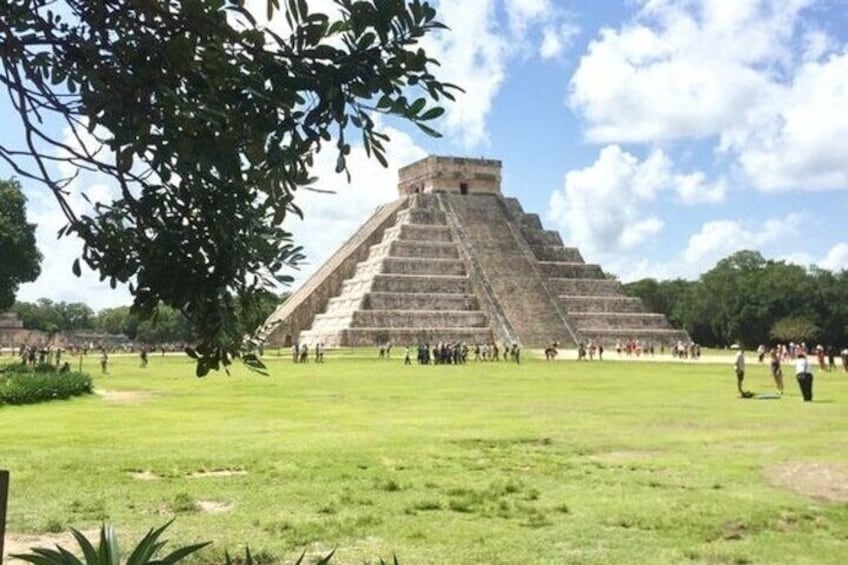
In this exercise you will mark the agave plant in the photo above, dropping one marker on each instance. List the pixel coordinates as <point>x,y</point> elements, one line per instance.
<point>108,552</point>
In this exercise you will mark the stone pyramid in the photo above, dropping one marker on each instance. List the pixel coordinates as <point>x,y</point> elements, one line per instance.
<point>452,259</point>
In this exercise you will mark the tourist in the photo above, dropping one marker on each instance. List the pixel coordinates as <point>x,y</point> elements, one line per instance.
<point>104,360</point>
<point>804,374</point>
<point>304,353</point>
<point>739,367</point>
<point>776,373</point>
<point>143,355</point>
<point>407,360</point>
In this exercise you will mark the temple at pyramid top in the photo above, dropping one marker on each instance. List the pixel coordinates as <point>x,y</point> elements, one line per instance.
<point>450,174</point>
<point>453,260</point>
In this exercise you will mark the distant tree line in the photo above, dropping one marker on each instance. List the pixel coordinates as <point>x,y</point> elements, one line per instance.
<point>748,300</point>
<point>167,326</point>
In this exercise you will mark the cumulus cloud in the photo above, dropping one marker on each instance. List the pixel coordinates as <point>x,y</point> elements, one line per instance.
<point>720,238</point>
<point>803,142</point>
<point>836,258</point>
<point>556,40</point>
<point>743,75</point>
<point>607,206</point>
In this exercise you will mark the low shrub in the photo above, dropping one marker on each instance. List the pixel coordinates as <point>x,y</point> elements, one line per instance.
<point>28,387</point>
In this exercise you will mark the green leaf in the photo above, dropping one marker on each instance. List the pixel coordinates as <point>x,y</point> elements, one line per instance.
<point>432,113</point>
<point>182,553</point>
<point>88,550</point>
<point>76,268</point>
<point>417,106</point>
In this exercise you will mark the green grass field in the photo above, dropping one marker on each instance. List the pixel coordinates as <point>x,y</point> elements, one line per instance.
<point>614,462</point>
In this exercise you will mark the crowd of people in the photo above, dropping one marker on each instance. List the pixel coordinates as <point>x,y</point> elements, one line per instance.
<point>44,354</point>
<point>457,353</point>
<point>300,352</point>
<point>797,354</point>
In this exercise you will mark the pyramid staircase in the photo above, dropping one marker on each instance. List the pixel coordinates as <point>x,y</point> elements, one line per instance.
<point>412,288</point>
<point>597,305</point>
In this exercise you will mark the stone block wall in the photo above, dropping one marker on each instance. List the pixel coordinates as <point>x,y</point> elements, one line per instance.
<point>451,175</point>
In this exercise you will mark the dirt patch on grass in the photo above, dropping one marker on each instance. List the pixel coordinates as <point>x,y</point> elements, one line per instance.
<point>823,481</point>
<point>124,396</point>
<point>217,473</point>
<point>23,543</point>
<point>144,475</point>
<point>213,506</point>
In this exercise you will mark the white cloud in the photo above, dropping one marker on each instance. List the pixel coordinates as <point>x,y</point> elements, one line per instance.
<point>754,77</point>
<point>607,206</point>
<point>804,142</point>
<point>472,55</point>
<point>56,281</point>
<point>556,40</point>
<point>599,207</point>
<point>836,258</point>
<point>522,13</point>
<point>719,238</point>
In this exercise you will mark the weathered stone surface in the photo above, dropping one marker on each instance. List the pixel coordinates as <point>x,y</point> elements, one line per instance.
<point>453,260</point>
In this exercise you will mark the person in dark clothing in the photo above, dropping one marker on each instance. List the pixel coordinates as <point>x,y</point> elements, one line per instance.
<point>804,374</point>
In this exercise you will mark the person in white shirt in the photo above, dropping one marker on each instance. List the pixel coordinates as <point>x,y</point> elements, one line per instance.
<point>804,374</point>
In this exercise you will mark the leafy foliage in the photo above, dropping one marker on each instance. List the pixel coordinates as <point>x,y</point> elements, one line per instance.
<point>208,123</point>
<point>19,258</point>
<point>749,300</point>
<point>49,316</point>
<point>21,385</point>
<point>798,330</point>
<point>108,551</point>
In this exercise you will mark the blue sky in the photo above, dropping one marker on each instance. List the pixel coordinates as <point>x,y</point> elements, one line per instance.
<point>658,136</point>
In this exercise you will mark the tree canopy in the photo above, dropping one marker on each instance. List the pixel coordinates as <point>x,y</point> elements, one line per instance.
<point>749,300</point>
<point>208,123</point>
<point>20,259</point>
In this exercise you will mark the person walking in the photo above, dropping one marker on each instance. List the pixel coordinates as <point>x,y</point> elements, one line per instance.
<point>776,373</point>
<point>104,361</point>
<point>804,374</point>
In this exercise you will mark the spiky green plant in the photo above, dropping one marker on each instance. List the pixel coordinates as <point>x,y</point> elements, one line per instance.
<point>108,552</point>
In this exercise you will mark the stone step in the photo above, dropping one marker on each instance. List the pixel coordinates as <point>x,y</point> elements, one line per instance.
<point>424,249</point>
<point>530,222</point>
<point>423,232</point>
<point>625,321</point>
<point>361,337</point>
<point>563,270</point>
<point>557,253</point>
<point>585,287</point>
<point>344,303</point>
<point>418,319</point>
<point>626,304</point>
<point>422,266</point>
<point>542,237</point>
<point>419,301</point>
<point>421,283</point>
<point>415,249</point>
<point>418,215</point>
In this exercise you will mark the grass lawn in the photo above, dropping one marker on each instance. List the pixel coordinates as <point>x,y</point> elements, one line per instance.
<point>614,462</point>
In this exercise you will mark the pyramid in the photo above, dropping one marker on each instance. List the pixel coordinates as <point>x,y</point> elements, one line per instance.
<point>453,260</point>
